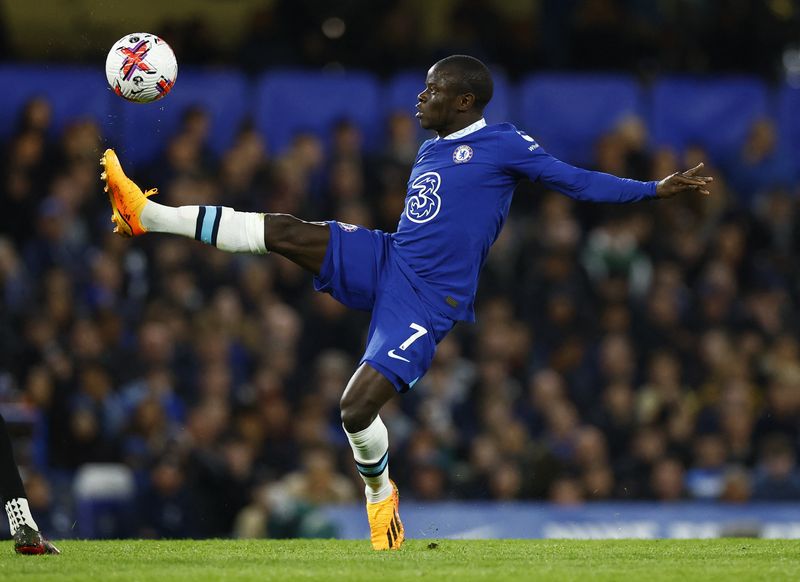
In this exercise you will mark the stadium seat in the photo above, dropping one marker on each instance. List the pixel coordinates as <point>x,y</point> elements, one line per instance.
<point>73,93</point>
<point>104,498</point>
<point>567,113</point>
<point>714,113</point>
<point>146,127</point>
<point>400,94</point>
<point>789,123</point>
<point>295,101</point>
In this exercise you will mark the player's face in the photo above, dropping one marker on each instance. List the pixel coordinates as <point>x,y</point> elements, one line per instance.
<point>437,104</point>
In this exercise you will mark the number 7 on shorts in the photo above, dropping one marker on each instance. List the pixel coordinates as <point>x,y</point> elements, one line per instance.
<point>419,331</point>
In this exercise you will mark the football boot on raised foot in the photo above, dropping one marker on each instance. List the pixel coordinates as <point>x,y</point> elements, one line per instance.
<point>127,199</point>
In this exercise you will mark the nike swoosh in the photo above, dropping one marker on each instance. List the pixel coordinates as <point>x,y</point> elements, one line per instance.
<point>396,357</point>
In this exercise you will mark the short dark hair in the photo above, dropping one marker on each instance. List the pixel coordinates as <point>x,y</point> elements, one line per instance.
<point>472,76</point>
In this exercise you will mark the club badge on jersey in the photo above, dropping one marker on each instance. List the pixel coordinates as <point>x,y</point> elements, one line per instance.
<point>347,227</point>
<point>462,154</point>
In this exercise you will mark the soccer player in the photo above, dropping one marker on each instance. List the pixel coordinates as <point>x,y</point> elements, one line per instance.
<point>417,282</point>
<point>27,537</point>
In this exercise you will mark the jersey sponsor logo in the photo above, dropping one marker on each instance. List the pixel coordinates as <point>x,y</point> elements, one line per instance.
<point>425,203</point>
<point>526,137</point>
<point>391,354</point>
<point>462,154</point>
<point>347,227</point>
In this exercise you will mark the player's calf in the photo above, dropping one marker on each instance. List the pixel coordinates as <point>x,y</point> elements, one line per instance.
<point>363,398</point>
<point>229,230</point>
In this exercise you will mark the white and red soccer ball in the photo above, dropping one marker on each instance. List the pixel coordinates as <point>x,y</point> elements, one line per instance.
<point>141,67</point>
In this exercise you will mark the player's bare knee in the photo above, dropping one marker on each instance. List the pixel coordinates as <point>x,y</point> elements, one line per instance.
<point>355,415</point>
<point>349,415</point>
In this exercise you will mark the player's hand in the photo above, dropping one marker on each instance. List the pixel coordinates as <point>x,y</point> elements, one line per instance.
<point>686,181</point>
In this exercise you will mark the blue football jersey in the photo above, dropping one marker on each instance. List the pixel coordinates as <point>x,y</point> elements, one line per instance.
<point>458,197</point>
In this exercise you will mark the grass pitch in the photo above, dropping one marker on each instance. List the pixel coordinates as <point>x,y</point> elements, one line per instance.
<point>442,561</point>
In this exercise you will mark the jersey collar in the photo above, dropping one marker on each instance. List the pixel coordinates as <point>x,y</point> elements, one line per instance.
<point>471,128</point>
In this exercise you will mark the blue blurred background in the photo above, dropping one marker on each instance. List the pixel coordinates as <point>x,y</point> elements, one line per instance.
<point>622,355</point>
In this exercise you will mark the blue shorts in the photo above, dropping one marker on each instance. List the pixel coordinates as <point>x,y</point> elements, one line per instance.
<point>360,270</point>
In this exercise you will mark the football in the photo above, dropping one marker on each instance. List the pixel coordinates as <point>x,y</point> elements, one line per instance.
<point>141,67</point>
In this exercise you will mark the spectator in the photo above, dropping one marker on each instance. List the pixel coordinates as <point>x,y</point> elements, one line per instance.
<point>777,477</point>
<point>667,480</point>
<point>708,476</point>
<point>760,166</point>
<point>317,482</point>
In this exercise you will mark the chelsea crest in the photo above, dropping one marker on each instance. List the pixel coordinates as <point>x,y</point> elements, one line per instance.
<point>462,153</point>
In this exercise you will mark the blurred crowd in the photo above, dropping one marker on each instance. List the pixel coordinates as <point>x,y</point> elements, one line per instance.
<point>642,36</point>
<point>639,352</point>
<point>647,37</point>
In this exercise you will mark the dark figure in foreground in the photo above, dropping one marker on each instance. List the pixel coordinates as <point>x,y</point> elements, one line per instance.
<point>27,537</point>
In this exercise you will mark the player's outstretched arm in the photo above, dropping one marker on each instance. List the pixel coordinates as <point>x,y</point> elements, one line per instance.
<point>687,181</point>
<point>521,155</point>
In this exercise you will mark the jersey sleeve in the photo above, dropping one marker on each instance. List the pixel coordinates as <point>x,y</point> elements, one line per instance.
<point>522,156</point>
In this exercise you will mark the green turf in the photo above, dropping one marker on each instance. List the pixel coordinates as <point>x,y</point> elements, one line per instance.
<point>442,561</point>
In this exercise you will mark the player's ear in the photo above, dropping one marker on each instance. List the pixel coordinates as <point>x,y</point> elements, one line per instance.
<point>466,101</point>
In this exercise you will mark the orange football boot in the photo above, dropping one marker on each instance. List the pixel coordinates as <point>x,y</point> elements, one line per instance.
<point>127,199</point>
<point>386,529</point>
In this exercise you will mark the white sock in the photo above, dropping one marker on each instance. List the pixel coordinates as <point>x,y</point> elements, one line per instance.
<point>156,217</point>
<point>225,228</point>
<point>19,514</point>
<point>371,451</point>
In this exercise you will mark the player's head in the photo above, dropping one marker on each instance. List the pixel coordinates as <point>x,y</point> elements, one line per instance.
<point>457,89</point>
